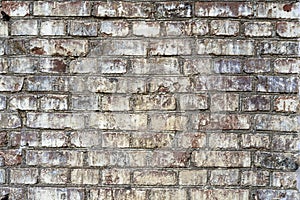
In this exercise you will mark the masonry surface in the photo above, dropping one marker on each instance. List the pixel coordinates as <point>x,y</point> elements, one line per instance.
<point>149,100</point>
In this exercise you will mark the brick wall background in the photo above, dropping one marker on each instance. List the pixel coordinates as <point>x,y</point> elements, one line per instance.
<point>144,100</point>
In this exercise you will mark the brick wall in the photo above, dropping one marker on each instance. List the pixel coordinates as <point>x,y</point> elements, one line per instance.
<point>144,100</point>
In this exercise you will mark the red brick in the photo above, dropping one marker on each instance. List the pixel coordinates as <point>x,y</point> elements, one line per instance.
<point>10,157</point>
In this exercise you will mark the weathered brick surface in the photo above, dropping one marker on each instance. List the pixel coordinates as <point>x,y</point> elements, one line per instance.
<point>149,100</point>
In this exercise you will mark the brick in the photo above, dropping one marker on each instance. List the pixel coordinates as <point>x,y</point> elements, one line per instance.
<point>223,141</point>
<point>53,27</point>
<point>146,29</point>
<point>197,66</point>
<point>193,101</point>
<point>161,66</point>
<point>52,65</point>
<point>276,161</point>
<point>44,193</point>
<point>151,140</point>
<point>118,158</point>
<point>193,177</point>
<point>287,65</point>
<point>177,28</point>
<point>115,85</point>
<point>286,104</point>
<point>2,176</point>
<point>54,102</point>
<point>288,29</point>
<point>256,141</point>
<point>116,176</point>
<point>276,194</point>
<point>24,138</point>
<point>225,158</point>
<point>278,10</point>
<point>85,139</point>
<point>285,143</point>
<point>15,192</point>
<point>117,194</point>
<point>170,47</point>
<point>3,65</point>
<point>153,102</point>
<point>224,102</point>
<point>61,47</point>
<point>85,102</point>
<point>24,176</point>
<point>255,178</point>
<point>54,176</point>
<point>15,47</point>
<point>115,140</point>
<point>119,121</point>
<point>11,83</point>
<point>284,179</point>
<point>62,158</point>
<point>134,47</point>
<point>24,102</point>
<point>278,48</point>
<point>277,84</point>
<point>258,29</point>
<point>83,28</point>
<point>223,83</point>
<point>3,29</point>
<point>257,65</point>
<point>276,122</point>
<point>119,9</point>
<point>16,8</point>
<point>78,84</point>
<point>223,9</point>
<point>47,83</point>
<point>24,27</point>
<point>10,120</point>
<point>230,66</point>
<point>3,138</point>
<point>154,177</point>
<point>115,103</point>
<point>23,65</point>
<point>224,177</point>
<point>74,8</point>
<point>200,27</point>
<point>224,194</point>
<point>97,66</point>
<point>85,176</point>
<point>55,120</point>
<point>170,159</point>
<point>191,140</point>
<point>172,121</point>
<point>158,194</point>
<point>173,9</point>
<point>224,47</point>
<point>224,27</point>
<point>256,103</point>
<point>54,139</point>
<point>10,158</point>
<point>114,28</point>
<point>221,121</point>
<point>2,102</point>
<point>169,84</point>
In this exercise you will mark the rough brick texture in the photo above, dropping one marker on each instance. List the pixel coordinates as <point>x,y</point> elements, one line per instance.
<point>150,100</point>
